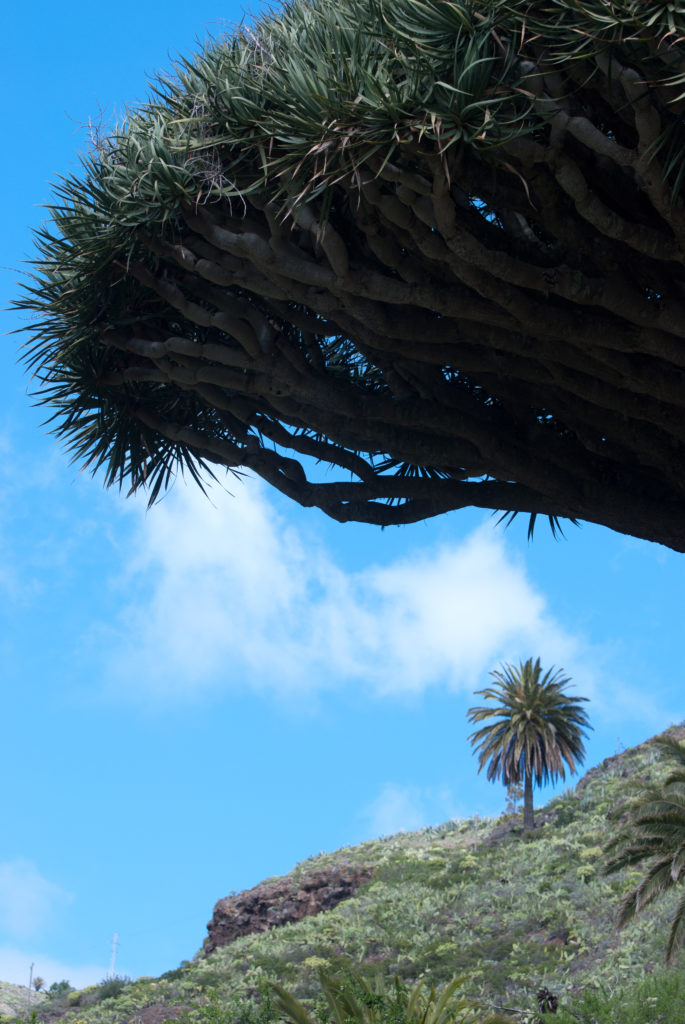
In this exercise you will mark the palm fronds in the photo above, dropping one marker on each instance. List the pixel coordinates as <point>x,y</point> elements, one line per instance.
<point>358,1000</point>
<point>653,835</point>
<point>537,730</point>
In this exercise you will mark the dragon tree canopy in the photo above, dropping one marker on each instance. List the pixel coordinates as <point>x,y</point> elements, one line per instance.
<point>434,245</point>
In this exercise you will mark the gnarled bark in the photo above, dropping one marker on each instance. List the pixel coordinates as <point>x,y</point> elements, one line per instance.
<point>443,324</point>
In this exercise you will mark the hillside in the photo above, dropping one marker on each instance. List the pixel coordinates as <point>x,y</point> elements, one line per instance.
<point>511,911</point>
<point>16,999</point>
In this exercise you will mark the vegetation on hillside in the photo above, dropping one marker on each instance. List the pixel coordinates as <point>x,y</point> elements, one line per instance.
<point>653,833</point>
<point>18,998</point>
<point>509,911</point>
<point>361,1001</point>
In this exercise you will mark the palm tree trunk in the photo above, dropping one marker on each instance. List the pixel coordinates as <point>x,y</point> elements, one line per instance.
<point>528,819</point>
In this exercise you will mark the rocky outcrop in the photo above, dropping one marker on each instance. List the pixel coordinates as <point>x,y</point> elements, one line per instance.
<point>282,901</point>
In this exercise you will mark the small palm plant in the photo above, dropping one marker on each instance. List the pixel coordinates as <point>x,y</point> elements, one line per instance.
<point>654,833</point>
<point>538,727</point>
<point>356,1000</point>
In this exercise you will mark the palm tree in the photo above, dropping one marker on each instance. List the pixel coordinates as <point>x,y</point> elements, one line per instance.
<point>538,727</point>
<point>655,832</point>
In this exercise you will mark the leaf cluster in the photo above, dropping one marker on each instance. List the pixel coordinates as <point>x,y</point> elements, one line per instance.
<point>537,728</point>
<point>652,833</point>
<point>356,1000</point>
<point>266,245</point>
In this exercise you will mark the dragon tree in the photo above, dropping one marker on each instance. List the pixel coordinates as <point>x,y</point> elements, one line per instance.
<point>396,257</point>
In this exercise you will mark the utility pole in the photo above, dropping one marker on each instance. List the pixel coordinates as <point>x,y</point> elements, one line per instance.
<point>28,997</point>
<point>115,942</point>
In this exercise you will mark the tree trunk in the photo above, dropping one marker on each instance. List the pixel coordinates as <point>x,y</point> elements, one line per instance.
<point>528,819</point>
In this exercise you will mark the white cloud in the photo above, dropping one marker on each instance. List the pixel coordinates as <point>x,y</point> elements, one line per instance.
<point>27,899</point>
<point>15,966</point>
<point>406,809</point>
<point>230,594</point>
<point>449,614</point>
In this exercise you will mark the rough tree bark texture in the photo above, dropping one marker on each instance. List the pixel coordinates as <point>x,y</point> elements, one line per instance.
<point>447,326</point>
<point>528,816</point>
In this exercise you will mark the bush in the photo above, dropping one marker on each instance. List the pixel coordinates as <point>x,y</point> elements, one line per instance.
<point>655,999</point>
<point>59,990</point>
<point>357,1000</point>
<point>110,988</point>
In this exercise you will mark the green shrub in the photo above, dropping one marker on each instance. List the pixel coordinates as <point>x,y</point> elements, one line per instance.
<point>59,990</point>
<point>655,999</point>
<point>110,988</point>
<point>352,999</point>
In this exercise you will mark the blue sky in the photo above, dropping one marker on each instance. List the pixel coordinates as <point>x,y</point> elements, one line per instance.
<point>198,696</point>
